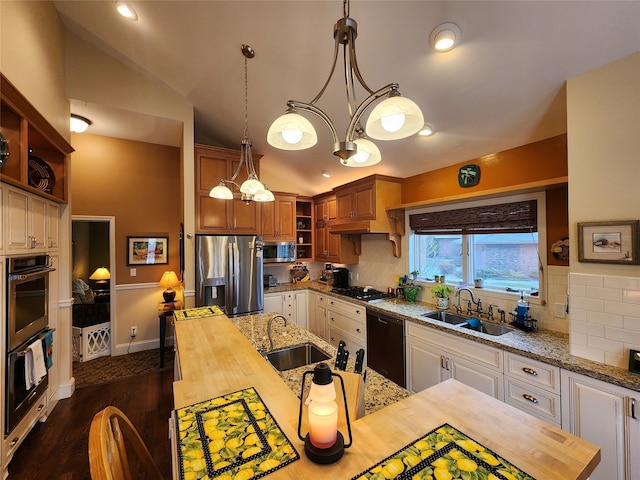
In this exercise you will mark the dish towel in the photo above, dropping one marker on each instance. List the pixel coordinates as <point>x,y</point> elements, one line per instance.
<point>35,369</point>
<point>48,344</point>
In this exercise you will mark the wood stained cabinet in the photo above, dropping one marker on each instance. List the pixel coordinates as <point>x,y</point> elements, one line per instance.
<point>361,205</point>
<point>278,219</point>
<point>329,247</point>
<point>38,154</point>
<point>214,216</point>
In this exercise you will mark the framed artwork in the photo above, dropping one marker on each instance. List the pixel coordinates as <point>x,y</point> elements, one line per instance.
<point>609,242</point>
<point>147,250</point>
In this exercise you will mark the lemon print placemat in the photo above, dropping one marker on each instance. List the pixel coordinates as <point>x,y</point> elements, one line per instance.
<point>444,454</point>
<point>230,437</point>
<point>199,312</point>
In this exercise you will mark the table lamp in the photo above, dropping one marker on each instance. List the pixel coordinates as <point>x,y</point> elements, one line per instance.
<point>324,444</point>
<point>169,280</point>
<point>101,277</point>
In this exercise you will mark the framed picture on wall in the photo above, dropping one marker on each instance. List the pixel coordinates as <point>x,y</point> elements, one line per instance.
<point>609,242</point>
<point>147,250</point>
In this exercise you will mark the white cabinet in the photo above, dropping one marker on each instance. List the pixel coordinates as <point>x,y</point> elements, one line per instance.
<point>348,322</point>
<point>273,302</point>
<point>32,223</point>
<point>533,387</point>
<point>293,305</point>
<point>433,357</point>
<point>318,314</point>
<point>606,415</point>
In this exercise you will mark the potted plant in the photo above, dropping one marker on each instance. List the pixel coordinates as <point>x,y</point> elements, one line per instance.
<point>411,291</point>
<point>442,294</point>
<point>414,274</point>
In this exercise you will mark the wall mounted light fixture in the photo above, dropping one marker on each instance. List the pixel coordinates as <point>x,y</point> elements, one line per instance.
<point>393,118</point>
<point>78,124</point>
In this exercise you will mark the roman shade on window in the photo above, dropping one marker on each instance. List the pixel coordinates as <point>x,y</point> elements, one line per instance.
<point>516,217</point>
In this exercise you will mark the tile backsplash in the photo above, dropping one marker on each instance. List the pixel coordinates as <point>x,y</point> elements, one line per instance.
<point>605,317</point>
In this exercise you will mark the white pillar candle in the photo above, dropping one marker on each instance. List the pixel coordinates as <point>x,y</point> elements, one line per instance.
<point>323,423</point>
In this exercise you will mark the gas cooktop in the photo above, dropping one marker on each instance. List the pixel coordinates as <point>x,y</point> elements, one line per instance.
<point>365,294</point>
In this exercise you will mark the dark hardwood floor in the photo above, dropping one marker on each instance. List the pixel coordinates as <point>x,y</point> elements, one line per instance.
<point>58,448</point>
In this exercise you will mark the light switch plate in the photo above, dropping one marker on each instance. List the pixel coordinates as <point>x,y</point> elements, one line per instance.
<point>132,272</point>
<point>558,310</point>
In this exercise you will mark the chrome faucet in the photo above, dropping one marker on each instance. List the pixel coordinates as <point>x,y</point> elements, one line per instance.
<point>469,309</point>
<point>269,328</point>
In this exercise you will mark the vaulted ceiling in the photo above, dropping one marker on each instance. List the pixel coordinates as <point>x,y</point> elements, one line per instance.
<point>502,87</point>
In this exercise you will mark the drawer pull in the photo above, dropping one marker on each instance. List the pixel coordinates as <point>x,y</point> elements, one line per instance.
<point>530,371</point>
<point>358,330</point>
<point>531,398</point>
<point>633,408</point>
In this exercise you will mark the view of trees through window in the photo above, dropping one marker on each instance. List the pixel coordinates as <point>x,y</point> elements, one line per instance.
<point>503,261</point>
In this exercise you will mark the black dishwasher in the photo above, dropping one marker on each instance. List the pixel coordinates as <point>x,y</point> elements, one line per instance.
<point>385,346</point>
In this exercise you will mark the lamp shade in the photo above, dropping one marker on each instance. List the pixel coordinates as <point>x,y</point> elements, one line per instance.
<point>394,118</point>
<point>292,131</point>
<point>101,273</point>
<point>368,154</point>
<point>221,191</point>
<point>169,279</point>
<point>78,124</point>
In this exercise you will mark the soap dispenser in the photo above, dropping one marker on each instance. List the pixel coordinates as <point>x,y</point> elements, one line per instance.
<point>522,307</point>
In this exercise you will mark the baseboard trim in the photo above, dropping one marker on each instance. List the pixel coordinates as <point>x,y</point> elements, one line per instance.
<point>125,348</point>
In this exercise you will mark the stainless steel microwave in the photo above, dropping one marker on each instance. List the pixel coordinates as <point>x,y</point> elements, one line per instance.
<point>279,252</point>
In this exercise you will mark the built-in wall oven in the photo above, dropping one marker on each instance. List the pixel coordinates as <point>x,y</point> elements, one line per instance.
<point>27,322</point>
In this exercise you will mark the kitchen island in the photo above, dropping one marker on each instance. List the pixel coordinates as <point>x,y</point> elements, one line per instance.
<point>216,358</point>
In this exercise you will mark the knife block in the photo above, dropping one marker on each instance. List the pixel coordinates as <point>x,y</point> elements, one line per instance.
<point>354,391</point>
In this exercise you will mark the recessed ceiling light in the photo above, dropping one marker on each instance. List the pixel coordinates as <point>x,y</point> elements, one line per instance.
<point>326,174</point>
<point>78,124</point>
<point>126,11</point>
<point>445,37</point>
<point>427,130</point>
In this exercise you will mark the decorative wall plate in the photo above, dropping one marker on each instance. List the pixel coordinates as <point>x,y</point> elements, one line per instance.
<point>40,175</point>
<point>469,175</point>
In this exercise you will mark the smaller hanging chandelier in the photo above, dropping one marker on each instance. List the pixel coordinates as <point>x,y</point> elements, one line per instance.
<point>393,118</point>
<point>252,188</point>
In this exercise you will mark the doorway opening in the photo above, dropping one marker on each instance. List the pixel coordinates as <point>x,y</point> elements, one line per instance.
<point>93,286</point>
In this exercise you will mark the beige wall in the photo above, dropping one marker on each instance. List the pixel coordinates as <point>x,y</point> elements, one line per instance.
<point>603,112</point>
<point>604,179</point>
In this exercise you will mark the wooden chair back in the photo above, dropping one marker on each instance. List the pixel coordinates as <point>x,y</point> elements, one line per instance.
<point>110,437</point>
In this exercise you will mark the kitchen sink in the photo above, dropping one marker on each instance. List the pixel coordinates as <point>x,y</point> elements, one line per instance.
<point>446,317</point>
<point>489,328</point>
<point>295,356</point>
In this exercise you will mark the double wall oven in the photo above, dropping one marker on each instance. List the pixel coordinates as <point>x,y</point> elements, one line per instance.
<point>27,322</point>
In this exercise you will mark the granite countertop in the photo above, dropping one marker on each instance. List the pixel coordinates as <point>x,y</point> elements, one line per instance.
<point>378,391</point>
<point>543,345</point>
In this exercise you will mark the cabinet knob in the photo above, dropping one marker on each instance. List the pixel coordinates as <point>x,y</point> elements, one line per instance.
<point>358,330</point>
<point>14,441</point>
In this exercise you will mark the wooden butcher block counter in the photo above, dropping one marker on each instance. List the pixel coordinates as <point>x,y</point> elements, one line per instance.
<point>216,359</point>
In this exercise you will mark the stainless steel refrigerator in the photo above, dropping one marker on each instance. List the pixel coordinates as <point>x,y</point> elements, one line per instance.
<point>229,273</point>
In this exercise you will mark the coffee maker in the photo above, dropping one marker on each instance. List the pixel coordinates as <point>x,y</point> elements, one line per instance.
<point>340,277</point>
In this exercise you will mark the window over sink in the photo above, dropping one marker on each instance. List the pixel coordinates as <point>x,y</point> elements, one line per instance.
<point>499,242</point>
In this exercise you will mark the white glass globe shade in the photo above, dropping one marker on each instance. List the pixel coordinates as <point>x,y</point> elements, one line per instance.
<point>252,186</point>
<point>292,131</point>
<point>387,116</point>
<point>368,154</point>
<point>221,191</point>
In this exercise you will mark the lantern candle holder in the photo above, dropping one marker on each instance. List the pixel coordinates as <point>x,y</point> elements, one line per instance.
<point>324,443</point>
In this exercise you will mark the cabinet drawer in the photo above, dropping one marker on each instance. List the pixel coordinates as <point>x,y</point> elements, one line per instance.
<point>354,328</point>
<point>533,372</point>
<point>348,309</point>
<point>533,400</point>
<point>353,344</point>
<point>485,355</point>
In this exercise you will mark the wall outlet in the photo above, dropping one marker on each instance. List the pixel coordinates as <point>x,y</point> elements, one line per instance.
<point>132,272</point>
<point>134,331</point>
<point>558,310</point>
